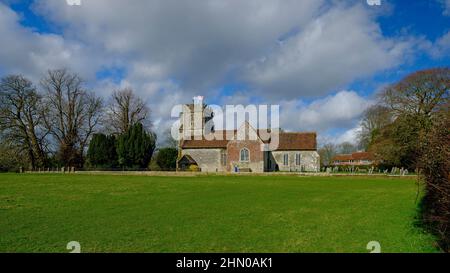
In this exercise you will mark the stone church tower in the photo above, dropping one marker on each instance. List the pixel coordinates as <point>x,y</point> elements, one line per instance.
<point>193,119</point>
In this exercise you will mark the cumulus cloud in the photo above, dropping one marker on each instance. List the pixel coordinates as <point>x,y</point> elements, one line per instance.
<point>195,42</point>
<point>27,52</point>
<point>332,50</point>
<point>341,110</point>
<point>441,47</point>
<point>281,51</point>
<point>350,136</point>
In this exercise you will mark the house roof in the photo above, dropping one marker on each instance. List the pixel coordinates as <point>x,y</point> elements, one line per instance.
<point>287,141</point>
<point>187,159</point>
<point>297,141</point>
<point>343,157</point>
<point>217,139</point>
<point>199,144</point>
<point>354,156</point>
<point>362,156</point>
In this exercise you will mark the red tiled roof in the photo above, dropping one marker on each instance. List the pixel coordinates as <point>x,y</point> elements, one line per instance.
<point>342,157</point>
<point>362,156</point>
<point>198,144</point>
<point>287,141</point>
<point>218,140</point>
<point>297,141</point>
<point>354,156</point>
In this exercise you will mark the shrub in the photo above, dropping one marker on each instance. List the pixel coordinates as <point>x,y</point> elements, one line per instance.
<point>12,158</point>
<point>435,166</point>
<point>194,168</point>
<point>153,166</point>
<point>167,158</point>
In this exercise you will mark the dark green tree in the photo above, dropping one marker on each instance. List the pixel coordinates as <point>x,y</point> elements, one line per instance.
<point>135,147</point>
<point>398,143</point>
<point>167,158</point>
<point>413,103</point>
<point>102,151</point>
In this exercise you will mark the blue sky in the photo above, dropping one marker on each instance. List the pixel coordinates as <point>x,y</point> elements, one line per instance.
<point>321,61</point>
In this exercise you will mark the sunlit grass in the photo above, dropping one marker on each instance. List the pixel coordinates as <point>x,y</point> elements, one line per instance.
<point>42,213</point>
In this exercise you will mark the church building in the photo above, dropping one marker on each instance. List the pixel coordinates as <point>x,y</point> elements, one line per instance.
<point>243,150</point>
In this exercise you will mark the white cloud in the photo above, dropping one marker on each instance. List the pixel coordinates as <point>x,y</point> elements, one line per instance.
<point>171,50</point>
<point>350,136</point>
<point>441,47</point>
<point>335,118</point>
<point>194,42</point>
<point>332,50</point>
<point>27,52</point>
<point>341,110</point>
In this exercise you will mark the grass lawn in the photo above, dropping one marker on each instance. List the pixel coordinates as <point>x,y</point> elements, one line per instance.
<point>42,213</point>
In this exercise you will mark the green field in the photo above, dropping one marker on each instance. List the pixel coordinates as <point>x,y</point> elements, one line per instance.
<point>105,213</point>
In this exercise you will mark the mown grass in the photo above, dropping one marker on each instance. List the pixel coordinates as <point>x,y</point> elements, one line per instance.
<point>42,213</point>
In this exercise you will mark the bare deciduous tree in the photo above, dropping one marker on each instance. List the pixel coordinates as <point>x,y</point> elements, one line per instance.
<point>374,119</point>
<point>126,109</point>
<point>347,148</point>
<point>21,121</point>
<point>419,94</point>
<point>72,114</point>
<point>327,152</point>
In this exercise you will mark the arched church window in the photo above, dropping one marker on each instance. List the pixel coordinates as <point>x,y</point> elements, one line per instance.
<point>245,155</point>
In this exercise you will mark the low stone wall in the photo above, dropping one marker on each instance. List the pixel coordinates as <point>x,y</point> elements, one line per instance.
<point>194,174</point>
